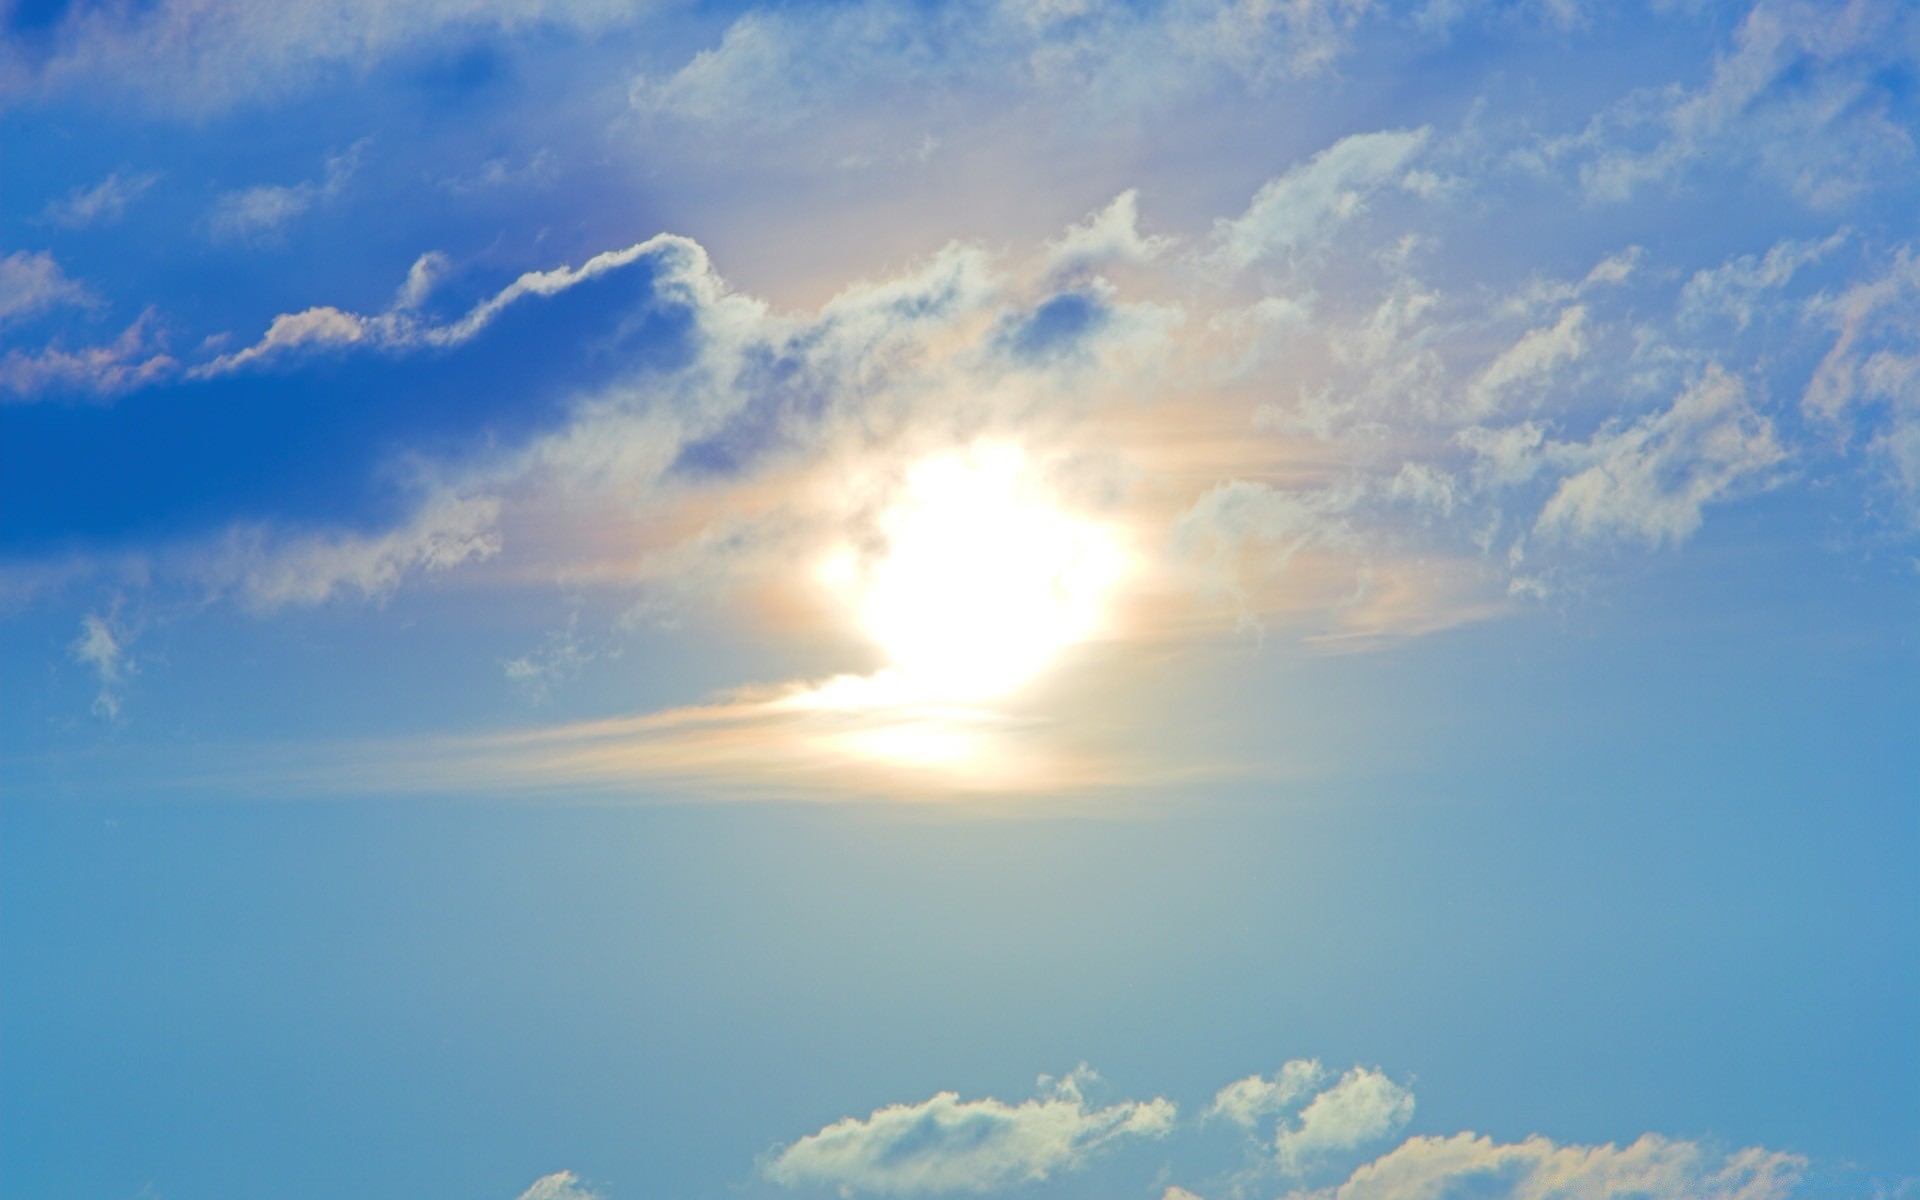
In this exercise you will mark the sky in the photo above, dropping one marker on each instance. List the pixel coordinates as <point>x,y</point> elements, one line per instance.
<point>1188,600</point>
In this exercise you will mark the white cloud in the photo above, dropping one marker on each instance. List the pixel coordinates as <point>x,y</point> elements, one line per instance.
<point>1530,361</point>
<point>132,360</point>
<point>1863,316</point>
<point>770,70</point>
<point>1800,91</point>
<point>1736,289</point>
<point>947,1144</point>
<point>748,78</point>
<point>102,645</point>
<point>401,328</point>
<point>102,204</point>
<point>1649,479</point>
<point>1436,1168</point>
<point>31,282</point>
<point>265,210</point>
<point>560,657</point>
<point>1110,236</point>
<point>190,57</point>
<point>268,572</point>
<point>1236,514</point>
<point>1364,1106</point>
<point>1289,213</point>
<point>561,1185</point>
<point>425,274</point>
<point>1245,1102</point>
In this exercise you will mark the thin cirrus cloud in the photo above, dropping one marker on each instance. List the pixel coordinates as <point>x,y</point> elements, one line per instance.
<point>264,211</point>
<point>102,204</point>
<point>198,59</point>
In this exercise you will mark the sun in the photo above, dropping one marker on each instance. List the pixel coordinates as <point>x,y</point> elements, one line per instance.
<point>980,578</point>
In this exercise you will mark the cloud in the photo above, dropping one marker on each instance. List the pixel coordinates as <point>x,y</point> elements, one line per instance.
<point>1438,1168</point>
<point>947,1144</point>
<point>562,655</point>
<point>771,71</point>
<point>189,58</point>
<point>268,572</point>
<point>1364,1106</point>
<point>1290,212</point>
<point>32,282</point>
<point>1238,528</point>
<point>1247,1101</point>
<point>1531,360</point>
<point>132,360</point>
<point>102,204</point>
<point>264,211</point>
<point>102,645</point>
<point>401,328</point>
<point>1649,479</point>
<point>748,78</point>
<point>1867,314</point>
<point>1736,290</point>
<point>1110,236</point>
<point>1803,90</point>
<point>561,1185</point>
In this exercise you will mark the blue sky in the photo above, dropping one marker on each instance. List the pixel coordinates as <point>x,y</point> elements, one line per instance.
<point>1192,601</point>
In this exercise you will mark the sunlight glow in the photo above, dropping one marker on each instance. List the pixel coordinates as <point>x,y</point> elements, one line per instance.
<point>982,578</point>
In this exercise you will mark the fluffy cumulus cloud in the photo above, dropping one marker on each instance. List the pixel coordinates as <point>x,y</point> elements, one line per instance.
<point>1247,1101</point>
<point>947,1144</point>
<point>1324,1151</point>
<point>1364,1106</point>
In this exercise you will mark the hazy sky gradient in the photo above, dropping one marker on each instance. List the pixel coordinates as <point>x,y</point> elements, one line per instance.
<point>1240,601</point>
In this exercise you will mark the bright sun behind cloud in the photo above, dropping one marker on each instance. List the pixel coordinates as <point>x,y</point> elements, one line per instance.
<point>981,579</point>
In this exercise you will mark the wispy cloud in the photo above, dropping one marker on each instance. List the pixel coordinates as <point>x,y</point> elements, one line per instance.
<point>102,204</point>
<point>1426,1168</point>
<point>264,211</point>
<point>1650,479</point>
<point>1291,211</point>
<point>1801,92</point>
<point>193,59</point>
<point>401,327</point>
<point>32,282</point>
<point>103,647</point>
<point>132,360</point>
